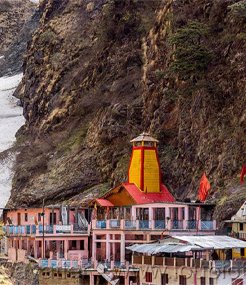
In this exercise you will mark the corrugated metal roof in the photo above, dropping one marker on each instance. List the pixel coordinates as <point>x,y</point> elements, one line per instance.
<point>216,242</point>
<point>192,243</point>
<point>162,248</point>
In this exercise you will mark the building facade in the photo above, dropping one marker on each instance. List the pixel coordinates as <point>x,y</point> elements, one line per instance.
<point>95,241</point>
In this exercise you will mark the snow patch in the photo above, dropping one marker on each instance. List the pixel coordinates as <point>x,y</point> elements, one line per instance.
<point>11,119</point>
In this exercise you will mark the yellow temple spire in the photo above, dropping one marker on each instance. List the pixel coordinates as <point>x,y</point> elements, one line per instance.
<point>144,168</point>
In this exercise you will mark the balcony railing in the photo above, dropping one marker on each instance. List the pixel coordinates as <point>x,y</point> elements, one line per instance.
<point>130,224</point>
<point>177,225</point>
<point>192,225</point>
<point>83,264</point>
<point>39,230</point>
<point>114,224</point>
<point>207,225</point>
<point>223,265</point>
<point>101,224</point>
<point>20,230</point>
<point>169,225</point>
<point>160,224</point>
<point>64,263</point>
<point>144,224</point>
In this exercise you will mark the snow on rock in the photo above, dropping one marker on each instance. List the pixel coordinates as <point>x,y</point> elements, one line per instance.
<point>11,120</point>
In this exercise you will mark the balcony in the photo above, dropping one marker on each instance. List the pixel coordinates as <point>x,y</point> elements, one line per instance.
<point>20,230</point>
<point>225,265</point>
<point>192,225</point>
<point>60,263</point>
<point>129,224</point>
<point>84,263</point>
<point>40,230</point>
<point>158,225</point>
<point>177,225</point>
<point>207,225</point>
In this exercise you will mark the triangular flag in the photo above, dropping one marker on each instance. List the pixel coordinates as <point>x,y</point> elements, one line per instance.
<point>204,188</point>
<point>243,172</point>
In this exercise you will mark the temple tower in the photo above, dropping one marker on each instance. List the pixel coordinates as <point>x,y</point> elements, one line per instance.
<point>144,169</point>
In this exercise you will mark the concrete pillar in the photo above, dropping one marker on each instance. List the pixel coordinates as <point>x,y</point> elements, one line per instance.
<point>186,217</point>
<point>127,279</point>
<point>68,215</point>
<point>151,218</point>
<point>20,243</point>
<point>133,213</point>
<point>35,247</point>
<point>43,249</point>
<point>76,218</point>
<point>52,217</point>
<point>122,248</point>
<point>92,279</point>
<point>66,249</point>
<point>28,247</point>
<point>113,247</point>
<point>94,248</point>
<point>107,247</point>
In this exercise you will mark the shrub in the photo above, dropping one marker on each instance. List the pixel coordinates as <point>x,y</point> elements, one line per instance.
<point>190,57</point>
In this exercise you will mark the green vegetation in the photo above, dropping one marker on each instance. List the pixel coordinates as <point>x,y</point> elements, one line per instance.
<point>238,11</point>
<point>160,74</point>
<point>48,37</point>
<point>190,57</point>
<point>74,141</point>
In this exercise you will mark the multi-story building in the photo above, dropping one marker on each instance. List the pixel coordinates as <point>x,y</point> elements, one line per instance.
<point>189,260</point>
<point>54,233</point>
<point>94,240</point>
<point>236,227</point>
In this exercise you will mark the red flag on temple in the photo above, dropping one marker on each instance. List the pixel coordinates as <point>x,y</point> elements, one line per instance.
<point>204,188</point>
<point>243,172</point>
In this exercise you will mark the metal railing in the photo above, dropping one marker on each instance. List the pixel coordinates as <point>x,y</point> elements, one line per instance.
<point>114,224</point>
<point>101,224</point>
<point>176,225</point>
<point>130,224</point>
<point>168,225</point>
<point>36,230</point>
<point>191,225</point>
<point>223,265</point>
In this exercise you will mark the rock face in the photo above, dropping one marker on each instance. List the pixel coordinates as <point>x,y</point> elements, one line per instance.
<point>18,273</point>
<point>98,73</point>
<point>18,20</point>
<point>13,14</point>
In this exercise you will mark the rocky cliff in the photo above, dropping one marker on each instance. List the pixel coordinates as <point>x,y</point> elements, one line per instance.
<point>18,19</point>
<point>98,73</point>
<point>13,15</point>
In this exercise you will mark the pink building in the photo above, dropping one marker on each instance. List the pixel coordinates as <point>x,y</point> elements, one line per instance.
<point>95,240</point>
<point>64,234</point>
<point>114,228</point>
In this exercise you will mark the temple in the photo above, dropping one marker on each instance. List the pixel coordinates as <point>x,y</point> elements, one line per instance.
<point>144,183</point>
<point>96,240</point>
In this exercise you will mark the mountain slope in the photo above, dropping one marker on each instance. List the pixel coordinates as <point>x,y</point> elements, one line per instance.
<point>13,14</point>
<point>97,73</point>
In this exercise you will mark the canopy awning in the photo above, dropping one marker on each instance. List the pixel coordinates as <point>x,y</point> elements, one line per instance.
<point>104,203</point>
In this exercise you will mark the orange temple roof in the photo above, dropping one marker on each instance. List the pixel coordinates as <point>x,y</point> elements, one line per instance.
<point>142,198</point>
